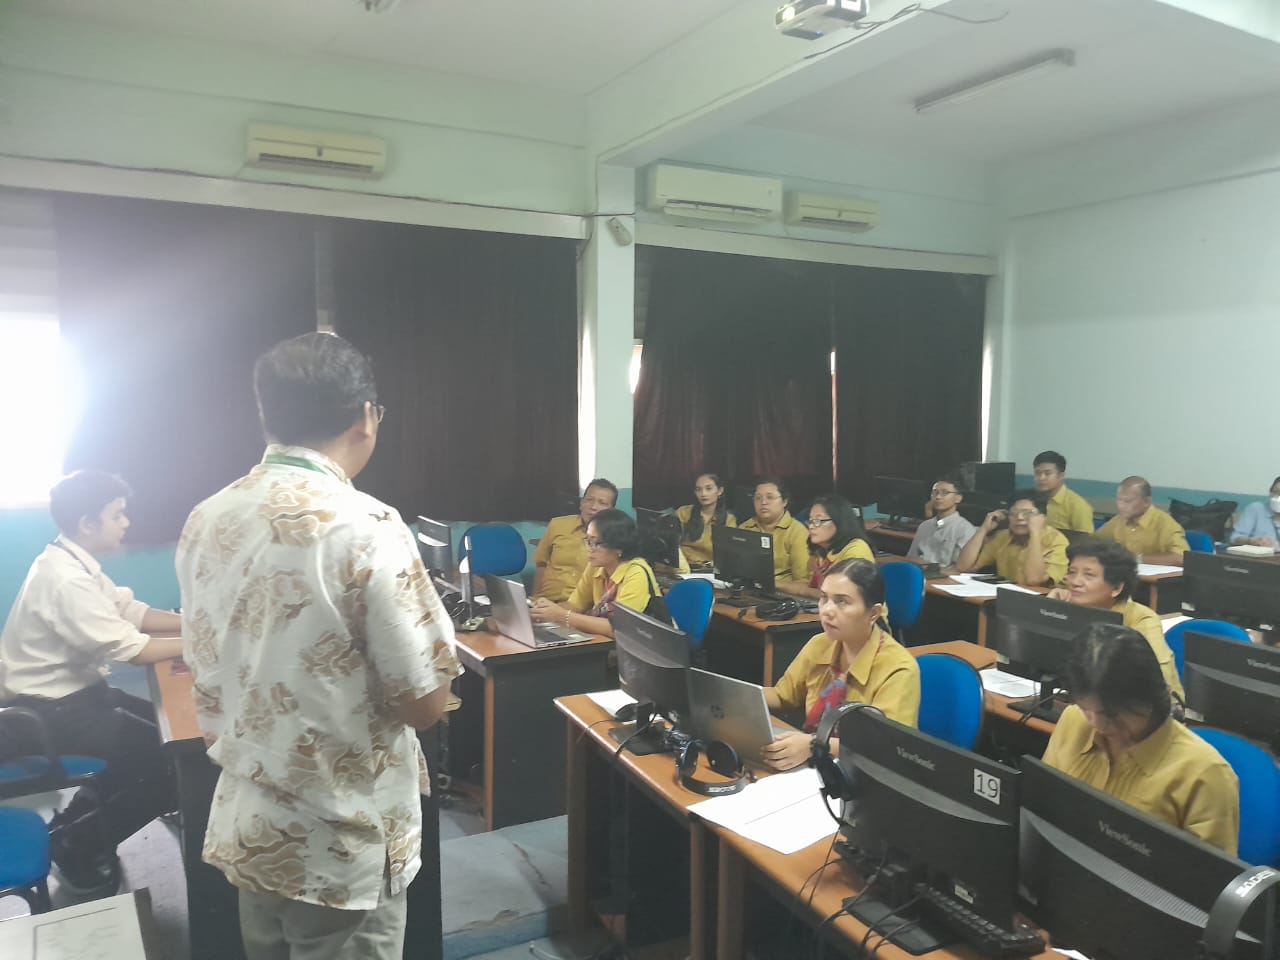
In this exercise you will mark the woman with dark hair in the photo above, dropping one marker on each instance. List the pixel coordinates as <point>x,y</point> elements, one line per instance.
<point>855,658</point>
<point>697,519</point>
<point>832,527</point>
<point>790,556</point>
<point>1101,573</point>
<point>1119,737</point>
<point>616,573</point>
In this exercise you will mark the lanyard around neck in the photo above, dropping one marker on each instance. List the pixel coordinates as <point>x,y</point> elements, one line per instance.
<point>287,461</point>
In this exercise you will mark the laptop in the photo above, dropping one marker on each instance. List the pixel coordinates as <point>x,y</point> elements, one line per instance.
<point>722,708</point>
<point>510,609</point>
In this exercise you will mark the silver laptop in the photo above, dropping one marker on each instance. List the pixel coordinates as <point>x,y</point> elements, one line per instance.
<point>722,708</point>
<point>510,609</point>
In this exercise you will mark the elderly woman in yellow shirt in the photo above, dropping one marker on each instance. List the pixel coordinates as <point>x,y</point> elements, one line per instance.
<point>855,658</point>
<point>790,539</point>
<point>1119,737</point>
<point>697,519</point>
<point>832,523</point>
<point>615,573</point>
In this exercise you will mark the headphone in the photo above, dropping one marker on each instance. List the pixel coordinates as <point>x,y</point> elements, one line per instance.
<point>836,783</point>
<point>779,610</point>
<point>722,759</point>
<point>1232,904</point>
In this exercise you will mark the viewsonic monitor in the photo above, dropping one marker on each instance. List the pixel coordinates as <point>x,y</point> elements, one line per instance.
<point>1233,685</point>
<point>744,558</point>
<point>1224,587</point>
<point>901,499</point>
<point>653,662</point>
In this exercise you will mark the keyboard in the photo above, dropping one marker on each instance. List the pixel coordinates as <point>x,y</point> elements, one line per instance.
<point>988,938</point>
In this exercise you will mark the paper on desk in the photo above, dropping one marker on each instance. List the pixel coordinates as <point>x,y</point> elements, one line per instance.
<point>784,811</point>
<point>968,588</point>
<point>711,577</point>
<point>1073,954</point>
<point>1155,569</point>
<point>1007,684</point>
<point>1173,621</point>
<point>610,700</point>
<point>99,930</point>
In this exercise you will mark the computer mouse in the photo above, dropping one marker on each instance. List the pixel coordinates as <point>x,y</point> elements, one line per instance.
<point>625,713</point>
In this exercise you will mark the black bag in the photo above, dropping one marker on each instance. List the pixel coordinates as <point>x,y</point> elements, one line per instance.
<point>1211,517</point>
<point>657,606</point>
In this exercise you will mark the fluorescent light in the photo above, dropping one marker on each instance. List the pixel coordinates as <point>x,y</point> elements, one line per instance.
<point>975,86</point>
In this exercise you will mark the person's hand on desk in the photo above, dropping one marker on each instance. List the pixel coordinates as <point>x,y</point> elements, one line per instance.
<point>544,611</point>
<point>788,750</point>
<point>1260,542</point>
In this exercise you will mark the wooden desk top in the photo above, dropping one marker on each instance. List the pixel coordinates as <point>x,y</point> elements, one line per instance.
<point>878,528</point>
<point>484,646</point>
<point>171,691</point>
<point>1157,577</point>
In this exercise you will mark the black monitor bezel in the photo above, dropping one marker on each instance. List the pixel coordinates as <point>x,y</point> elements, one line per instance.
<point>731,543</point>
<point>1237,709</point>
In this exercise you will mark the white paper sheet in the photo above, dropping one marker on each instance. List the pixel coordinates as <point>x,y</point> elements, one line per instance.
<point>978,588</point>
<point>784,811</point>
<point>1008,684</point>
<point>1154,569</point>
<point>710,577</point>
<point>99,930</point>
<point>610,700</point>
<point>1173,621</point>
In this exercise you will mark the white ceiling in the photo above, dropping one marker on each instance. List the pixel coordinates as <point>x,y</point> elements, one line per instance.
<point>572,46</point>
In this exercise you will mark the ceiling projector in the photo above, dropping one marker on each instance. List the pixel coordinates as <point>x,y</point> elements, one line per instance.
<point>812,19</point>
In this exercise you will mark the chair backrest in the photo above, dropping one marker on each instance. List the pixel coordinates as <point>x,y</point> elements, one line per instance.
<point>689,602</point>
<point>1259,795</point>
<point>1216,628</point>
<point>495,549</point>
<point>1199,541</point>
<point>950,699</point>
<point>903,592</point>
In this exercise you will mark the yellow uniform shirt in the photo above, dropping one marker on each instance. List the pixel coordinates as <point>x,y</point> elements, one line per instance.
<point>564,555</point>
<point>1147,622</point>
<point>883,674</point>
<point>1009,557</point>
<point>1155,532</point>
<point>634,578</point>
<point>790,547</point>
<point>1172,775</point>
<point>854,548</point>
<point>699,551</point>
<point>1067,510</point>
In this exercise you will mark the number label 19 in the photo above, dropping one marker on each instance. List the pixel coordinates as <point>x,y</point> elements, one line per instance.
<point>986,786</point>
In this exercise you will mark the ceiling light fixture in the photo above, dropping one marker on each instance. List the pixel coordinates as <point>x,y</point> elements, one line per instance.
<point>976,86</point>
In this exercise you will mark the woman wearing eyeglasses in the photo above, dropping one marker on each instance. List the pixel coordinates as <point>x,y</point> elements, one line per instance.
<point>697,519</point>
<point>1030,552</point>
<point>790,539</point>
<point>832,525</point>
<point>615,573</point>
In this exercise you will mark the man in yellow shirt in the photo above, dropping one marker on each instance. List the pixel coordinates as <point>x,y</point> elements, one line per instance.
<point>1064,508</point>
<point>561,555</point>
<point>1147,532</point>
<point>790,538</point>
<point>1030,552</point>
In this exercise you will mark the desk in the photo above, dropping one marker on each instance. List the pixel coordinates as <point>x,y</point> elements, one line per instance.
<point>120,926</point>
<point>944,616</point>
<point>739,644</point>
<point>1162,592</point>
<point>508,726</point>
<point>889,540</point>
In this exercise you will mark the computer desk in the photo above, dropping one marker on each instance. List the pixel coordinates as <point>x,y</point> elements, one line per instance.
<point>739,644</point>
<point>896,542</point>
<point>1162,592</point>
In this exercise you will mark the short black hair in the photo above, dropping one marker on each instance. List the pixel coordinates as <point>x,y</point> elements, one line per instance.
<point>952,477</point>
<point>311,388</point>
<point>617,531</point>
<point>1119,566</point>
<point>1140,482</point>
<point>1038,499</point>
<point>603,484</point>
<point>783,492</point>
<point>1051,456</point>
<point>1115,665</point>
<point>845,518</point>
<point>84,494</point>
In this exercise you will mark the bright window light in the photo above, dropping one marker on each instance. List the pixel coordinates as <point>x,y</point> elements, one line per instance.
<point>633,369</point>
<point>40,385</point>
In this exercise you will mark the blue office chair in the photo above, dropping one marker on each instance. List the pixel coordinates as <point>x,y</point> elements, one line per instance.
<point>23,775</point>
<point>495,549</point>
<point>950,699</point>
<point>1259,795</point>
<point>1199,541</point>
<point>24,857</point>
<point>904,594</point>
<point>689,602</point>
<point>1215,628</point>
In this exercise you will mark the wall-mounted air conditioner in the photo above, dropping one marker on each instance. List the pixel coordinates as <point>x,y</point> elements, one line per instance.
<point>712,195</point>
<point>814,209</point>
<point>315,151</point>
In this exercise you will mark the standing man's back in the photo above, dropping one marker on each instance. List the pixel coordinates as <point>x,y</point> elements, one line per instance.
<point>317,644</point>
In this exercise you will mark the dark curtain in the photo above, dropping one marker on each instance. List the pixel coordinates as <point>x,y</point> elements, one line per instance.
<point>167,305</point>
<point>908,374</point>
<point>736,374</point>
<point>474,342</point>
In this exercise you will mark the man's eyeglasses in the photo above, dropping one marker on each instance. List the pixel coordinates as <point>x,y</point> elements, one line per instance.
<point>939,492</point>
<point>817,521</point>
<point>766,497</point>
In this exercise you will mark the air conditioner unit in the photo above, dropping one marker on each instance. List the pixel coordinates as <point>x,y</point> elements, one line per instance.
<point>817,210</point>
<point>316,151</point>
<point>711,195</point>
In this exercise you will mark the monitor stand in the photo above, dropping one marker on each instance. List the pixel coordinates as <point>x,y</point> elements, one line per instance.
<point>654,738</point>
<point>1046,705</point>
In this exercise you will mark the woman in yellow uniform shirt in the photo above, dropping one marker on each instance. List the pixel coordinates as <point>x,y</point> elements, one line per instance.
<point>790,540</point>
<point>1119,737</point>
<point>697,519</point>
<point>832,523</point>
<point>855,658</point>
<point>616,573</point>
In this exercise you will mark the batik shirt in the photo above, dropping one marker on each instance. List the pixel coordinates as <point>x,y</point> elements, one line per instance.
<point>306,616</point>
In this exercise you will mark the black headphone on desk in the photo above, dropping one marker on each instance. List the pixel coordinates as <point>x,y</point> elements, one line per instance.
<point>836,783</point>
<point>778,610</point>
<point>1231,906</point>
<point>722,759</point>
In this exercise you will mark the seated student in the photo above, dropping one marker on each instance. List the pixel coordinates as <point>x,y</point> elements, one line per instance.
<point>855,658</point>
<point>1119,737</point>
<point>1258,524</point>
<point>1064,508</point>
<point>1101,573</point>
<point>697,519</point>
<point>1147,532</point>
<point>941,537</point>
<point>615,573</point>
<point>790,539</point>
<point>1030,552</point>
<point>67,624</point>
<point>560,556</point>
<point>831,526</point>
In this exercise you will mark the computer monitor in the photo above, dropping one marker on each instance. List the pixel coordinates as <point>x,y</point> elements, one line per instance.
<point>660,535</point>
<point>1113,883</point>
<point>924,811</point>
<point>1037,635</point>
<point>744,558</point>
<point>1225,587</point>
<point>1233,685</point>
<point>653,662</point>
<point>435,544</point>
<point>901,499</point>
<point>995,477</point>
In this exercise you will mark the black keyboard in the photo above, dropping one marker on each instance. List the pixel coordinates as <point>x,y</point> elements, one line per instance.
<point>988,938</point>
